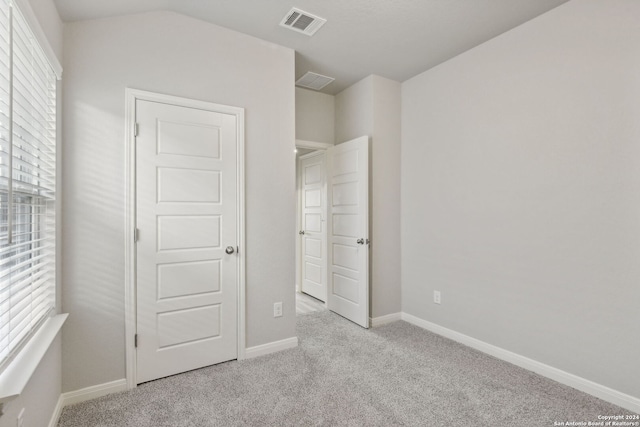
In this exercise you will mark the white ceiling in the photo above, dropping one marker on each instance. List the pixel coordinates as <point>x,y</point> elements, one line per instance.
<point>396,39</point>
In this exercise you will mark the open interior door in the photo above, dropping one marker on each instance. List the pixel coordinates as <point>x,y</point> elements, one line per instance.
<point>348,230</point>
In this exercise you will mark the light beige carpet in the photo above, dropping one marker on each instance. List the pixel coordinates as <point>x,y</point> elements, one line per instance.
<point>343,375</point>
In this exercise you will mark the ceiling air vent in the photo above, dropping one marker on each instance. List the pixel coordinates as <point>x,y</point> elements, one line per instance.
<point>314,81</point>
<point>302,22</point>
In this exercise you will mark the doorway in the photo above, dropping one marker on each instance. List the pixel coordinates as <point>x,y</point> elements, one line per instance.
<point>332,248</point>
<point>185,264</point>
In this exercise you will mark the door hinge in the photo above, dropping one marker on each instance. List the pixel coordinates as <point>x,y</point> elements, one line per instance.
<point>135,340</point>
<point>136,234</point>
<point>135,129</point>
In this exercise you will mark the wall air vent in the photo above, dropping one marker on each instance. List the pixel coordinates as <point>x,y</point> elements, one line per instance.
<point>302,22</point>
<point>314,81</point>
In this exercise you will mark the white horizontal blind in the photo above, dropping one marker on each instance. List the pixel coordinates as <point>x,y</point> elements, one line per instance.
<point>27,182</point>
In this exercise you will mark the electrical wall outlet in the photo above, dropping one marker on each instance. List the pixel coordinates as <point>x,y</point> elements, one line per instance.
<point>277,309</point>
<point>20,420</point>
<point>436,297</point>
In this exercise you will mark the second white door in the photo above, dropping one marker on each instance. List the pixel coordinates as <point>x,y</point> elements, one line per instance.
<point>313,232</point>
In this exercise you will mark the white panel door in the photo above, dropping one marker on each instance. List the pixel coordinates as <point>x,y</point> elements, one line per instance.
<point>348,230</point>
<point>186,214</point>
<point>314,233</point>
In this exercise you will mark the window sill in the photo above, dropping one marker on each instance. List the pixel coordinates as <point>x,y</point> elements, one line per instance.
<point>16,376</point>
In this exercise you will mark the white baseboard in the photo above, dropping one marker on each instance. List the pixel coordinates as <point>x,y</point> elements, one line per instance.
<point>605,393</point>
<point>55,417</point>
<point>93,392</point>
<point>383,320</point>
<point>272,347</point>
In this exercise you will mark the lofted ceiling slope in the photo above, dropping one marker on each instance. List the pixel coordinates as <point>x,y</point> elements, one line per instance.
<point>396,39</point>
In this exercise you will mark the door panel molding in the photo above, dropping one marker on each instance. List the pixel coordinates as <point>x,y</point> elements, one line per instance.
<point>131,96</point>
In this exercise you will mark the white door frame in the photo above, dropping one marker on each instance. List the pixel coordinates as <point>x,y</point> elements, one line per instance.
<point>312,145</point>
<point>131,96</point>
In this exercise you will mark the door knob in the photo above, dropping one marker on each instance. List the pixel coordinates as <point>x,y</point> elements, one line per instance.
<point>229,250</point>
<point>301,232</point>
<point>360,241</point>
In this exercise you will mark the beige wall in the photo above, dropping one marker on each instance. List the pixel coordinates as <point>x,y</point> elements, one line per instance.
<point>354,111</point>
<point>315,116</point>
<point>385,198</point>
<point>520,184</point>
<point>163,52</point>
<point>372,107</point>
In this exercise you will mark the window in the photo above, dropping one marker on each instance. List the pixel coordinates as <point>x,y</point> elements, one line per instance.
<point>27,182</point>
